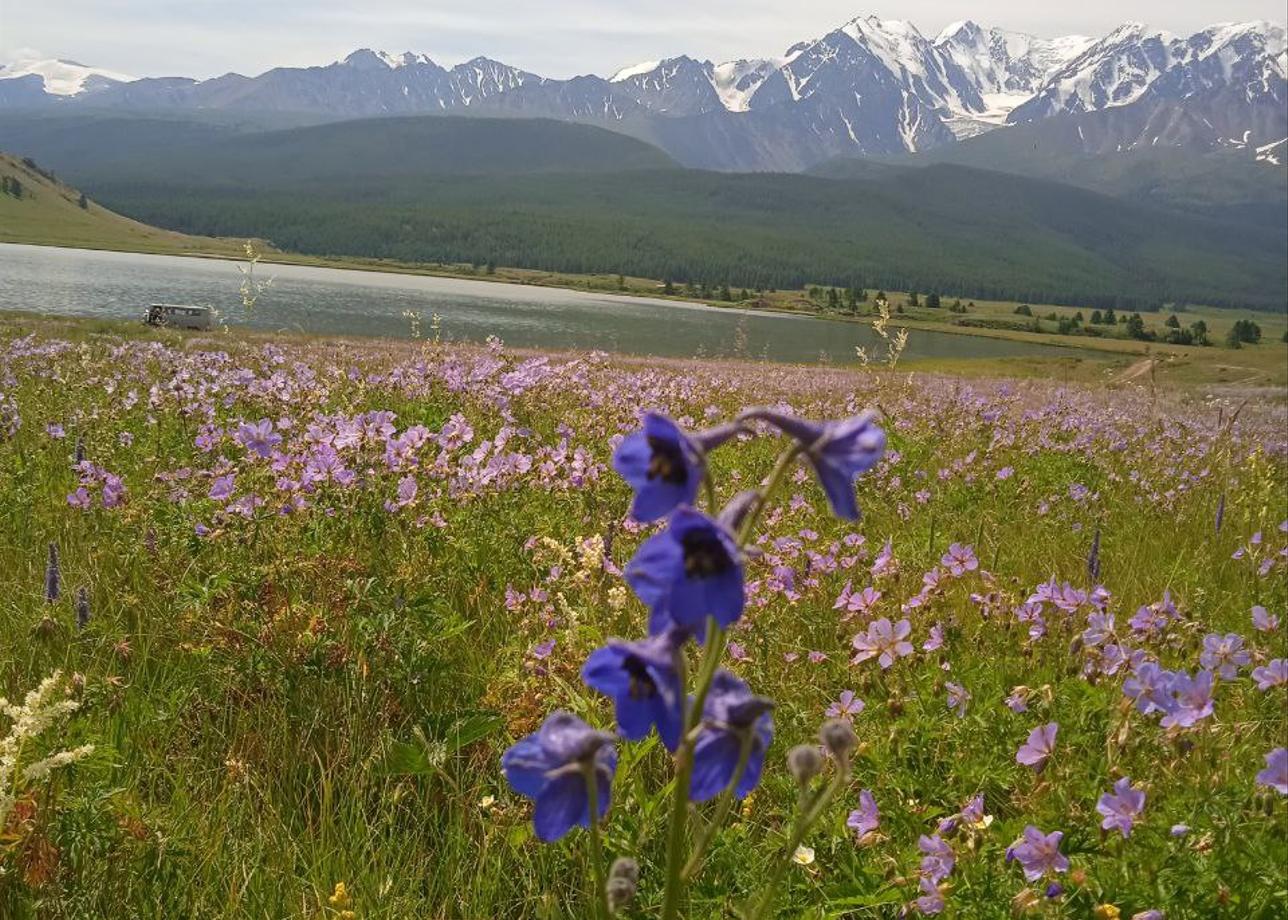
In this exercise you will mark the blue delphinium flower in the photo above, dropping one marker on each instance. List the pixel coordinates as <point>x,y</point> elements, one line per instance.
<point>642,679</point>
<point>838,451</point>
<point>549,766</point>
<point>731,714</point>
<point>688,572</point>
<point>665,465</point>
<point>53,575</point>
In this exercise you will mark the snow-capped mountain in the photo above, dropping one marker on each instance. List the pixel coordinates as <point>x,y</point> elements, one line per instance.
<point>869,87</point>
<point>63,78</point>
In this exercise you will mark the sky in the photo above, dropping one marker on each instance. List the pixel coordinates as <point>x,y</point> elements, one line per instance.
<point>555,38</point>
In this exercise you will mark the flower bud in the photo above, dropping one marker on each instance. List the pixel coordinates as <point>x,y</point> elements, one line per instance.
<point>803,762</point>
<point>623,879</point>
<point>837,736</point>
<point>625,867</point>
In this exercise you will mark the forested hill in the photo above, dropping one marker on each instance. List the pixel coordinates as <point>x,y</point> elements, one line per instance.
<point>475,190</point>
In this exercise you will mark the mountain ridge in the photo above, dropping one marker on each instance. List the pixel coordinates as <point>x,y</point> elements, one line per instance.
<point>870,86</point>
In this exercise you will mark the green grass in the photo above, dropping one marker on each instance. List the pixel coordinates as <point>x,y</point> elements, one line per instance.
<point>294,701</point>
<point>48,213</point>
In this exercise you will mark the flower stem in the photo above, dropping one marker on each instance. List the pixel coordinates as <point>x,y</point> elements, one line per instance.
<point>722,810</point>
<point>808,817</point>
<point>781,466</point>
<point>596,846</point>
<point>676,873</point>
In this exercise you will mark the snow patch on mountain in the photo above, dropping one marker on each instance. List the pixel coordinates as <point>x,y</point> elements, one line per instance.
<point>64,78</point>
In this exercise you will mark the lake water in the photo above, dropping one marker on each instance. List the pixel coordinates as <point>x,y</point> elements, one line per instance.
<point>81,282</point>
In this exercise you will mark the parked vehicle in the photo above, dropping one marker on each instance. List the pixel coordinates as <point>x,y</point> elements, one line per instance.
<point>182,316</point>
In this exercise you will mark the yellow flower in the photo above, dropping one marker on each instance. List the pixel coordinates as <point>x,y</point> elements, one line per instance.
<point>1107,912</point>
<point>340,898</point>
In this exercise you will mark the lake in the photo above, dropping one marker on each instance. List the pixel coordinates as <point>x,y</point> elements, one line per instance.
<point>82,282</point>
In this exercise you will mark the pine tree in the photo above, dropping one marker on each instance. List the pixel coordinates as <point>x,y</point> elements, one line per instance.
<point>932,300</point>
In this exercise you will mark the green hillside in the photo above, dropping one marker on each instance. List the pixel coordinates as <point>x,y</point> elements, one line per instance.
<point>35,207</point>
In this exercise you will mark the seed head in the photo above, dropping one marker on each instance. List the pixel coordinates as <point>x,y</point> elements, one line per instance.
<point>803,762</point>
<point>838,737</point>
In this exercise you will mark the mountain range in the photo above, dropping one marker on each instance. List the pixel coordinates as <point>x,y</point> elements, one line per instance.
<point>871,87</point>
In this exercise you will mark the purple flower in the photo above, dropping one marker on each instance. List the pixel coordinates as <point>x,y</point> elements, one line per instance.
<point>973,812</point>
<point>1149,686</point>
<point>550,766</point>
<point>1274,674</point>
<point>885,561</point>
<point>931,900</point>
<point>1121,807</point>
<point>1179,830</point>
<point>1190,701</point>
<point>1224,654</point>
<point>1100,626</point>
<point>731,716</point>
<point>222,488</point>
<point>690,571</point>
<point>844,707</point>
<point>839,451</point>
<point>642,679</point>
<point>938,858</point>
<point>1018,700</point>
<point>936,639</point>
<point>867,817</point>
<point>1039,746</point>
<point>1263,620</point>
<point>958,698</point>
<point>664,465</point>
<point>258,437</point>
<point>1038,853</point>
<point>959,559</point>
<point>884,641</point>
<point>1275,775</point>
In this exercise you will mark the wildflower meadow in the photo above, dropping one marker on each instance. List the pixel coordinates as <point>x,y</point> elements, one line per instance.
<point>345,629</point>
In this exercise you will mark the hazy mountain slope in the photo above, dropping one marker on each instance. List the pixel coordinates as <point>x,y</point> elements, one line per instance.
<point>347,151</point>
<point>1114,152</point>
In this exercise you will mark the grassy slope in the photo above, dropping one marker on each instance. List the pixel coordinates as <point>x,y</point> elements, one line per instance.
<point>49,214</point>
<point>257,696</point>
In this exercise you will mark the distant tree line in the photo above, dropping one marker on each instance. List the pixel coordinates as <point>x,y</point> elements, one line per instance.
<point>645,227</point>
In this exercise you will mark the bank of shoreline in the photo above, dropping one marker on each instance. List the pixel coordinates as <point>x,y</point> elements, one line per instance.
<point>522,277</point>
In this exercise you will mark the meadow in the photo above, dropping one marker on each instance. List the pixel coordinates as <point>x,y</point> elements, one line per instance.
<point>304,593</point>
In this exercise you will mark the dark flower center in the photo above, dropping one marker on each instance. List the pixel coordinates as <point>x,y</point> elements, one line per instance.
<point>704,554</point>
<point>643,686</point>
<point>667,462</point>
